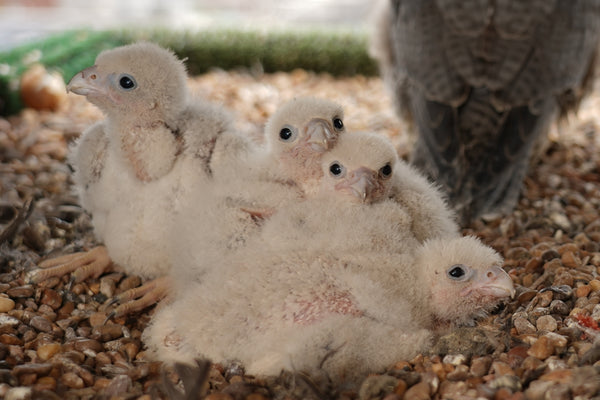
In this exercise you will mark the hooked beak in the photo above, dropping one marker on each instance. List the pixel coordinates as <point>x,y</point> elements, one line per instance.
<point>320,135</point>
<point>362,183</point>
<point>86,82</point>
<point>494,282</point>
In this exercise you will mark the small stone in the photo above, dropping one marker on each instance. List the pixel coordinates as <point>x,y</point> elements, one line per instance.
<point>20,292</point>
<point>559,392</point>
<point>569,260</point>
<point>45,352</point>
<point>32,368</point>
<point>45,383</point>
<point>558,341</point>
<point>549,255</point>
<point>511,382</point>
<point>480,366</point>
<point>559,307</point>
<point>10,339</point>
<point>256,396</point>
<point>500,368</point>
<point>51,298</point>
<point>544,298</point>
<point>72,380</point>
<point>97,319</point>
<point>583,291</point>
<point>119,385</point>
<point>541,349</point>
<point>595,285</point>
<point>546,323</point>
<point>41,324</point>
<point>420,391</point>
<point>537,390</point>
<point>558,376</point>
<point>523,326</point>
<point>376,386</point>
<point>18,393</point>
<point>454,359</point>
<point>460,373</point>
<point>107,332</point>
<point>108,287</point>
<point>218,396</point>
<point>6,304</point>
<point>82,344</point>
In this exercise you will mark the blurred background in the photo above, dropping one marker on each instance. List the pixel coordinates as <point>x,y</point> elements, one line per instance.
<point>24,20</point>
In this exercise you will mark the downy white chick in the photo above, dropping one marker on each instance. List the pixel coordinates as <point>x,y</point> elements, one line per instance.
<point>394,179</point>
<point>364,185</point>
<point>133,169</point>
<point>354,315</point>
<point>297,135</point>
<point>251,186</point>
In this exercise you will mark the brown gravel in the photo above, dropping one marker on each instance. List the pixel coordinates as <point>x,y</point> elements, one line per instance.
<point>54,342</point>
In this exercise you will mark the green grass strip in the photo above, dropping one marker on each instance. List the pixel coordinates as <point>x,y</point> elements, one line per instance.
<point>334,52</point>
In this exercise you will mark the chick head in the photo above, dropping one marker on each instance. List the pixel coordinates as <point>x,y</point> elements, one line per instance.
<point>138,80</point>
<point>464,279</point>
<point>359,167</point>
<point>301,130</point>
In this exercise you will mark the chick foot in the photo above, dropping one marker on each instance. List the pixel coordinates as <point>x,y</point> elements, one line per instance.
<point>138,298</point>
<point>92,263</point>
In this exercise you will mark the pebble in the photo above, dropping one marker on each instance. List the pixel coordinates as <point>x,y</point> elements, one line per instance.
<point>6,304</point>
<point>480,366</point>
<point>559,307</point>
<point>105,333</point>
<point>47,351</point>
<point>420,391</point>
<point>542,348</point>
<point>46,383</point>
<point>72,380</point>
<point>219,396</point>
<point>20,292</point>
<point>523,326</point>
<point>51,298</point>
<point>537,390</point>
<point>32,368</point>
<point>454,359</point>
<point>18,393</point>
<point>118,385</point>
<point>460,373</point>
<point>546,323</point>
<point>41,324</point>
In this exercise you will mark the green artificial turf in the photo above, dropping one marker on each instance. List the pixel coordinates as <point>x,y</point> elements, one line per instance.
<point>334,52</point>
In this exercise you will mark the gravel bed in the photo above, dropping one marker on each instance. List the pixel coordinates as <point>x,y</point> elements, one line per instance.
<point>55,342</point>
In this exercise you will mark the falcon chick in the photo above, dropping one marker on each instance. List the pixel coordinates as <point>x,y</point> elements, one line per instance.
<point>133,169</point>
<point>481,82</point>
<point>344,314</point>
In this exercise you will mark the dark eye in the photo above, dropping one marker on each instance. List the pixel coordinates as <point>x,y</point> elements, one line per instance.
<point>127,82</point>
<point>386,171</point>
<point>338,124</point>
<point>336,169</point>
<point>457,272</point>
<point>286,134</point>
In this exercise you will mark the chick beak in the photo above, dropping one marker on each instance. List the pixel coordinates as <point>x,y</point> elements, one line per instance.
<point>361,183</point>
<point>494,282</point>
<point>86,82</point>
<point>320,135</point>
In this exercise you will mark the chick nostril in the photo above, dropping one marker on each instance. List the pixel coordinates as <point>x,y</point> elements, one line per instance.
<point>93,76</point>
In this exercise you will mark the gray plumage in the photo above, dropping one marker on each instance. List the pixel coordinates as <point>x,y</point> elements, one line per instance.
<point>481,82</point>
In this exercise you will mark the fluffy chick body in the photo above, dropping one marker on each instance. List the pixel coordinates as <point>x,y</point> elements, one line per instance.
<point>346,314</point>
<point>133,170</point>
